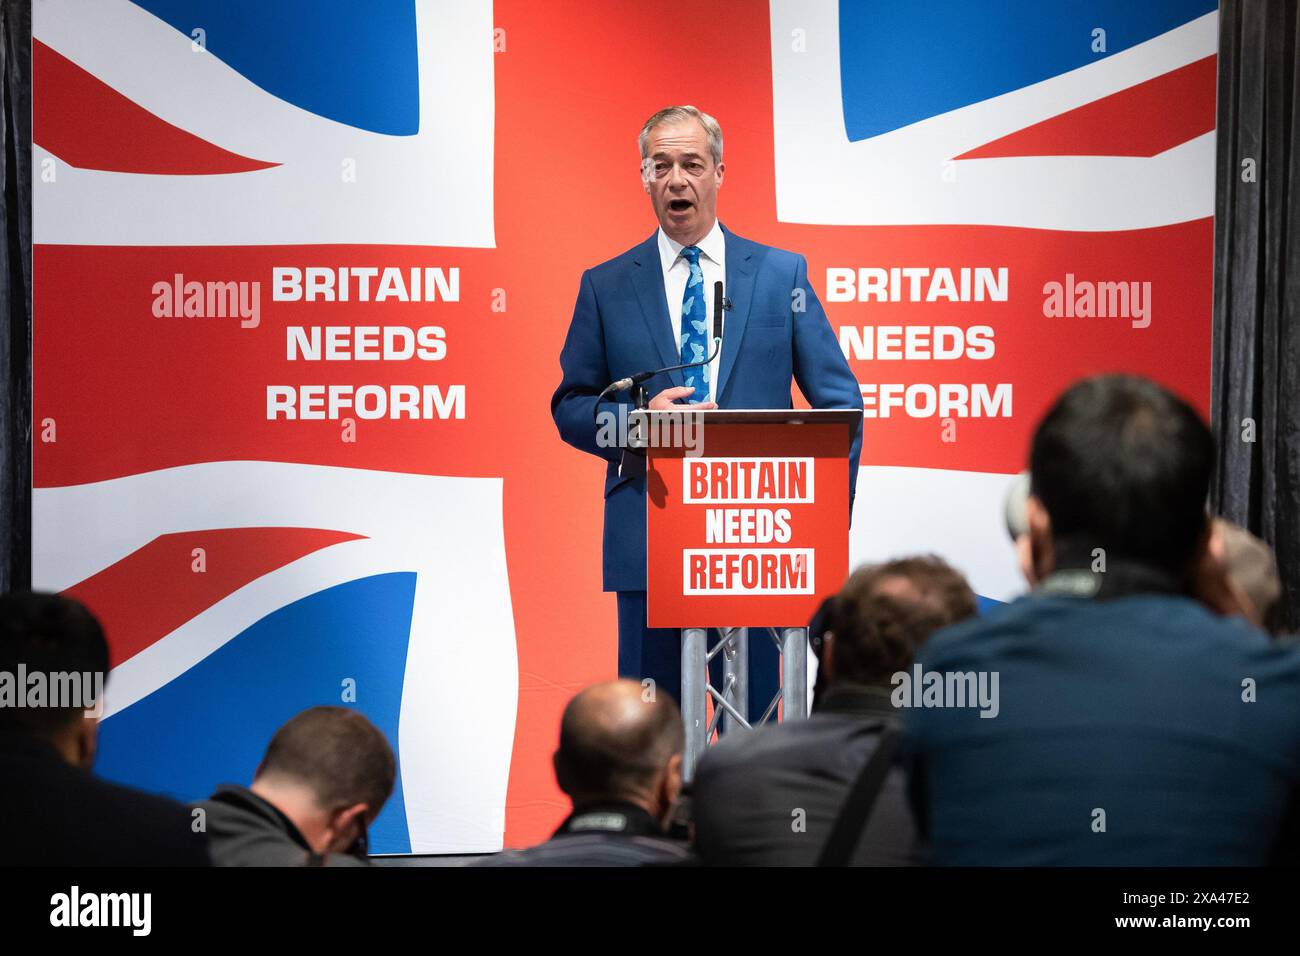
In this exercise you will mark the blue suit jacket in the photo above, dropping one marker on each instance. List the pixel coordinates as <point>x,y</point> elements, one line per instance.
<point>621,326</point>
<point>1133,706</point>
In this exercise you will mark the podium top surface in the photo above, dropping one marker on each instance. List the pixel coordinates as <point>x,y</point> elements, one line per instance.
<point>765,416</point>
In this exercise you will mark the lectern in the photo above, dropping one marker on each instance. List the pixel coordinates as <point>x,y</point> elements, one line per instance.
<point>747,527</point>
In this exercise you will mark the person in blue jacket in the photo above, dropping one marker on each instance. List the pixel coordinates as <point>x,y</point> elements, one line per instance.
<point>653,307</point>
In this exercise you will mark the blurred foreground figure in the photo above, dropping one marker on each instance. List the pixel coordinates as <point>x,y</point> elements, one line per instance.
<point>620,762</point>
<point>1237,573</point>
<point>1250,570</point>
<point>771,796</point>
<point>1133,725</point>
<point>53,812</point>
<point>326,775</point>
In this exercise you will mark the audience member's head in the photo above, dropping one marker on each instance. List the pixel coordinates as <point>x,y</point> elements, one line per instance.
<point>1015,513</point>
<point>330,771</point>
<point>621,743</point>
<point>56,638</point>
<point>1250,573</point>
<point>884,612</point>
<point>1122,465</point>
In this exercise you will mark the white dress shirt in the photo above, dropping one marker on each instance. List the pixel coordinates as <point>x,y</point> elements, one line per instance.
<point>713,263</point>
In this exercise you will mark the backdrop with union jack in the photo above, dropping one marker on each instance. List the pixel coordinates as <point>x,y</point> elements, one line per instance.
<point>442,574</point>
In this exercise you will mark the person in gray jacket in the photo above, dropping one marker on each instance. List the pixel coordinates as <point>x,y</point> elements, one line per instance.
<point>771,796</point>
<point>620,762</point>
<point>325,776</point>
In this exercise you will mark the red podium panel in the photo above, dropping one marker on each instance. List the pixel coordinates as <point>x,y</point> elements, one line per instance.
<point>747,515</point>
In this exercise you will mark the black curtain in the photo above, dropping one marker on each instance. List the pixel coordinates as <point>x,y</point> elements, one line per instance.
<point>16,295</point>
<point>1256,364</point>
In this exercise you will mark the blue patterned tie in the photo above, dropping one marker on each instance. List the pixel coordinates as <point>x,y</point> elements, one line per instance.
<point>695,339</point>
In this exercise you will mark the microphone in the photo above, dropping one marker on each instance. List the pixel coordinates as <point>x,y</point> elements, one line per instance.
<point>623,384</point>
<point>719,303</point>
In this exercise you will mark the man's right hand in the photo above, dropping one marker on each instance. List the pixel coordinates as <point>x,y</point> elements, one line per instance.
<point>668,399</point>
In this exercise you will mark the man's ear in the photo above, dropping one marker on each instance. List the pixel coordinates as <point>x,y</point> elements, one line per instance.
<point>86,741</point>
<point>341,824</point>
<point>1025,558</point>
<point>826,663</point>
<point>1042,554</point>
<point>1214,543</point>
<point>560,776</point>
<point>672,786</point>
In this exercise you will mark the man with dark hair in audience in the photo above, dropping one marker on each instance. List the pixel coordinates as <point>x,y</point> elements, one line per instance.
<point>325,776</point>
<point>772,796</point>
<point>53,812</point>
<point>620,762</point>
<point>1134,725</point>
<point>1238,574</point>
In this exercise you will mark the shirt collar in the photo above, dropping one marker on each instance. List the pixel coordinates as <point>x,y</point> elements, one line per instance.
<point>713,245</point>
<point>861,700</point>
<point>1074,577</point>
<point>617,817</point>
<point>244,798</point>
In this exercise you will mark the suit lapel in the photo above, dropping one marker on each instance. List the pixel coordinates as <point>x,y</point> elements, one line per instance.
<point>740,290</point>
<point>648,280</point>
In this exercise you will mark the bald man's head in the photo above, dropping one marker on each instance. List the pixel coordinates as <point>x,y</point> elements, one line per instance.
<point>617,745</point>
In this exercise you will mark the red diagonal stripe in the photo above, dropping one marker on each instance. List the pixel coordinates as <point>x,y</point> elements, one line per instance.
<point>135,618</point>
<point>88,124</point>
<point>1143,120</point>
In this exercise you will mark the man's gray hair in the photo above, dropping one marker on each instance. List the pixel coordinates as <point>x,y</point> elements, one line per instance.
<point>673,114</point>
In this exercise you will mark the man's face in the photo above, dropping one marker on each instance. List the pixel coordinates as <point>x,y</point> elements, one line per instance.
<point>682,180</point>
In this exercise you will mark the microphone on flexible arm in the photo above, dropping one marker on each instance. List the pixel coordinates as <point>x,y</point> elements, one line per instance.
<point>634,381</point>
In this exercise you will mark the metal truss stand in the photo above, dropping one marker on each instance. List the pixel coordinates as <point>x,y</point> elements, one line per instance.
<point>731,702</point>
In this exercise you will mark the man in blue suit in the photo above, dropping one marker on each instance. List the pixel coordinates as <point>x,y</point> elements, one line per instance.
<point>1128,723</point>
<point>652,307</point>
